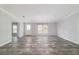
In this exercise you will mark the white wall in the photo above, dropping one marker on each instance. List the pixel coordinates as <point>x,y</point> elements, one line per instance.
<point>6,27</point>
<point>52,29</point>
<point>69,28</point>
<point>77,26</point>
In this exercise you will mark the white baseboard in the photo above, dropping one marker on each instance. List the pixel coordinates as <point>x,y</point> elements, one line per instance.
<point>4,43</point>
<point>76,42</point>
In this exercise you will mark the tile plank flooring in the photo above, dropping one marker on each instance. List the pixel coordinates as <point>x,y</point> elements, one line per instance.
<point>40,45</point>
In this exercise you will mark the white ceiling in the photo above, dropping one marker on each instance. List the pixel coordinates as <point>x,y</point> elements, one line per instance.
<point>41,12</point>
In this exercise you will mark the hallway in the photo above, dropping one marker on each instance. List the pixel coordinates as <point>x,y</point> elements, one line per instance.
<point>40,45</point>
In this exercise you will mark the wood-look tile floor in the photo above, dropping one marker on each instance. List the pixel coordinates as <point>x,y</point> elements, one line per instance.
<point>40,45</point>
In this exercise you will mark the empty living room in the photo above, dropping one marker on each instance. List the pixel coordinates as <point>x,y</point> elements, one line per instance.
<point>39,29</point>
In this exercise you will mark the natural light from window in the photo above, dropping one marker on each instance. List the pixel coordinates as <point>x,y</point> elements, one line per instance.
<point>28,26</point>
<point>14,28</point>
<point>43,28</point>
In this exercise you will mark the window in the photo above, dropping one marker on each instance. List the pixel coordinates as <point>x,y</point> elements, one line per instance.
<point>14,28</point>
<point>43,28</point>
<point>28,26</point>
<point>39,28</point>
